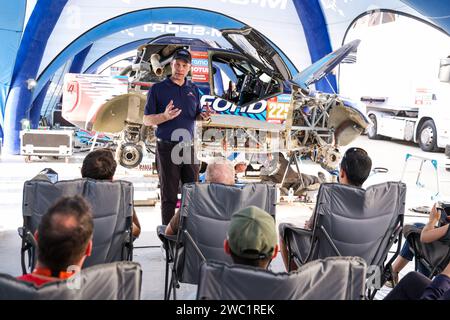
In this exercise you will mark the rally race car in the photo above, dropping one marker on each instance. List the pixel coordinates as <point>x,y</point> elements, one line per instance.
<point>259,105</point>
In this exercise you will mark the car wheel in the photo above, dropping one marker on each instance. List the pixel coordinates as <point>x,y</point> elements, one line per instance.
<point>130,155</point>
<point>428,136</point>
<point>372,131</point>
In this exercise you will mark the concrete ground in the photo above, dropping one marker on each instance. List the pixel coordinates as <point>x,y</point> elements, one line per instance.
<point>391,155</point>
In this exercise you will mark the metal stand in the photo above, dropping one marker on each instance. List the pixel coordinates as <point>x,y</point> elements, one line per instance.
<point>293,158</point>
<point>433,162</point>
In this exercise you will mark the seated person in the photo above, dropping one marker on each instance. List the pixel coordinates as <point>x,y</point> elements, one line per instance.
<point>429,234</point>
<point>231,93</point>
<point>64,238</point>
<point>240,164</point>
<point>100,165</point>
<point>218,171</point>
<point>240,167</point>
<point>252,238</point>
<point>275,169</point>
<point>405,256</point>
<point>354,170</point>
<point>415,286</point>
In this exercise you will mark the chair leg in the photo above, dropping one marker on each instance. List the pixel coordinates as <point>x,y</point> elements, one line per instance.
<point>367,294</point>
<point>174,290</point>
<point>166,280</point>
<point>130,249</point>
<point>31,258</point>
<point>171,287</point>
<point>370,294</point>
<point>167,285</point>
<point>289,261</point>
<point>174,283</point>
<point>22,261</point>
<point>27,250</point>
<point>169,291</point>
<point>373,294</point>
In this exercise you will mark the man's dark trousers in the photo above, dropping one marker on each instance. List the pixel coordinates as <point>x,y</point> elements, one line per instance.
<point>170,175</point>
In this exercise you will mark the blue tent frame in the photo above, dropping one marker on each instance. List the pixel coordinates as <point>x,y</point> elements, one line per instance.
<point>23,103</point>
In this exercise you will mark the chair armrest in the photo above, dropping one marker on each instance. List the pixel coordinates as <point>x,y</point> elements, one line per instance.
<point>27,236</point>
<point>292,235</point>
<point>300,231</point>
<point>410,229</point>
<point>161,233</point>
<point>21,231</point>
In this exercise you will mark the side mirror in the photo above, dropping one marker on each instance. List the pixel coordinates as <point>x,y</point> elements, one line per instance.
<point>444,70</point>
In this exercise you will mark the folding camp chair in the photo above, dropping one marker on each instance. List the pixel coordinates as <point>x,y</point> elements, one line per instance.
<point>112,209</point>
<point>336,278</point>
<point>112,281</point>
<point>351,221</point>
<point>434,256</point>
<point>206,210</point>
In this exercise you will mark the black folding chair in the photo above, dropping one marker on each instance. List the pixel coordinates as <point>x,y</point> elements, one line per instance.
<point>352,221</point>
<point>113,281</point>
<point>336,278</point>
<point>206,210</point>
<point>112,209</point>
<point>434,256</point>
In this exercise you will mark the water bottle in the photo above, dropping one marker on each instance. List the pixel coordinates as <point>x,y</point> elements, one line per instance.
<point>291,195</point>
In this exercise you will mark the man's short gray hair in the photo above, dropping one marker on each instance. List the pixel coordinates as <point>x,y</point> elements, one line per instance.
<point>220,170</point>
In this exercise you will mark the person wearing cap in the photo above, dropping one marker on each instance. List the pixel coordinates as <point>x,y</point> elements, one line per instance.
<point>252,238</point>
<point>173,105</point>
<point>354,170</point>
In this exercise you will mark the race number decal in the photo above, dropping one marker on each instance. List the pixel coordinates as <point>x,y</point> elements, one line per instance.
<point>71,95</point>
<point>277,108</point>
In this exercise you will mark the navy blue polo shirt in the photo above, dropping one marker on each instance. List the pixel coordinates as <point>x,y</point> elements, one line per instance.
<point>185,97</point>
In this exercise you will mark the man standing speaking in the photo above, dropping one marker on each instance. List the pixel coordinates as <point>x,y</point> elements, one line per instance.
<point>173,105</point>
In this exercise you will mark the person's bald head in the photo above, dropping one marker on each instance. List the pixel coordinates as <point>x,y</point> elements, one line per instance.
<point>220,171</point>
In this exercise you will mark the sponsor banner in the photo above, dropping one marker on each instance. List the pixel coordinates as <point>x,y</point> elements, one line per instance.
<point>255,110</point>
<point>178,29</point>
<point>200,67</point>
<point>284,98</point>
